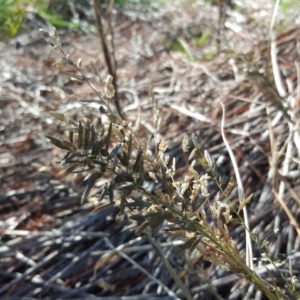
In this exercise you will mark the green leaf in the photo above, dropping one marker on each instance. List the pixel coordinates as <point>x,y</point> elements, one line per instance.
<point>93,136</point>
<point>71,168</point>
<point>86,135</point>
<point>62,144</point>
<point>204,37</point>
<point>80,136</point>
<point>12,15</point>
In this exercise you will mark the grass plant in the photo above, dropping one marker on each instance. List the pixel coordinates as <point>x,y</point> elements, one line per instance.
<point>182,205</point>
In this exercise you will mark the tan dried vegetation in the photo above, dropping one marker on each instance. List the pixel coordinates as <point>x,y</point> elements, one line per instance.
<point>181,205</point>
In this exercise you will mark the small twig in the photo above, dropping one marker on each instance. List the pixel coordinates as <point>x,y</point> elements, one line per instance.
<point>113,56</point>
<point>53,233</point>
<point>191,114</point>
<point>170,269</point>
<point>125,256</point>
<point>108,60</point>
<point>73,263</point>
<point>274,155</point>
<point>29,271</point>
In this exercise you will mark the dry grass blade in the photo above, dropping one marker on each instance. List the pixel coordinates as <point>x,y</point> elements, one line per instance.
<point>289,149</point>
<point>249,253</point>
<point>276,72</point>
<point>169,292</point>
